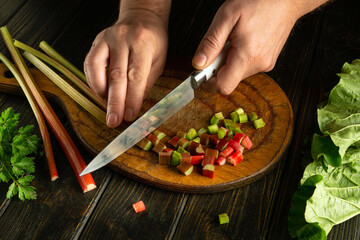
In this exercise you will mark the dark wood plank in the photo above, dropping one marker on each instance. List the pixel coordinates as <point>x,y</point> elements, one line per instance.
<point>115,217</point>
<point>8,9</point>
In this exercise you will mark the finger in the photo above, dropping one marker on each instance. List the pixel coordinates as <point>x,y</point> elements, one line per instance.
<point>138,72</point>
<point>117,81</point>
<point>95,65</point>
<point>215,38</point>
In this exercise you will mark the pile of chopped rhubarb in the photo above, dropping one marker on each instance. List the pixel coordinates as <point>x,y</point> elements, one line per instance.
<point>221,142</point>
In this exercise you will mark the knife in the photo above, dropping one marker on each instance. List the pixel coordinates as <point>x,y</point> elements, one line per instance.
<point>159,113</point>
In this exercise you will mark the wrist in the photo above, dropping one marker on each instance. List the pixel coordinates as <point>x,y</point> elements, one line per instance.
<point>302,7</point>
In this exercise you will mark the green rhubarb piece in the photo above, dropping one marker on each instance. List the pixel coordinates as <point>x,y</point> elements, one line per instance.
<point>243,118</point>
<point>145,144</point>
<point>219,116</point>
<point>239,111</point>
<point>213,129</point>
<point>175,158</point>
<point>159,134</point>
<point>259,123</point>
<point>181,134</point>
<point>197,139</point>
<point>253,116</point>
<point>228,122</point>
<point>201,131</point>
<point>223,218</point>
<point>191,134</point>
<point>183,142</point>
<point>234,116</point>
<point>214,120</point>
<point>221,133</point>
<point>181,150</point>
<point>237,130</point>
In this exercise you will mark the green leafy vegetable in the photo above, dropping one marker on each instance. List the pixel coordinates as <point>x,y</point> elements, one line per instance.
<point>329,192</point>
<point>17,149</point>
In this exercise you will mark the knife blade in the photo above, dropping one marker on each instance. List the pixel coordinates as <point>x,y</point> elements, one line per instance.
<point>158,114</point>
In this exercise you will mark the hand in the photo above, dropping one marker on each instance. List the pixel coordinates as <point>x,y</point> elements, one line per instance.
<point>257,31</point>
<point>124,62</point>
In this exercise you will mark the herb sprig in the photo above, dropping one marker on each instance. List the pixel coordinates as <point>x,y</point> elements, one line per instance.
<point>17,149</point>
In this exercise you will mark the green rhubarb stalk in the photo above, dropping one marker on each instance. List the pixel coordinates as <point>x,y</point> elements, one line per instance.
<point>58,57</point>
<point>67,88</point>
<point>67,73</point>
<point>38,115</point>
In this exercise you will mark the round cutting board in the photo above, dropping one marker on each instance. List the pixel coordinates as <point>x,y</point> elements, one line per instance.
<point>258,93</point>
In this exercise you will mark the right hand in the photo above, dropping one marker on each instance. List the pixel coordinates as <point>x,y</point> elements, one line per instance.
<point>124,62</point>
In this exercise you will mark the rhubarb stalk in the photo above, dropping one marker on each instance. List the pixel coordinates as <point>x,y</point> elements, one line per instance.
<point>76,161</point>
<point>67,88</point>
<point>39,117</point>
<point>67,73</point>
<point>58,57</point>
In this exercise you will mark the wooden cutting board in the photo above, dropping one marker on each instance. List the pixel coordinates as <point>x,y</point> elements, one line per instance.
<point>258,93</point>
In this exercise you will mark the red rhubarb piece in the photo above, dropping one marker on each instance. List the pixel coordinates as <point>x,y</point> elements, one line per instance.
<point>195,148</point>
<point>234,145</point>
<point>174,141</point>
<point>208,171</point>
<point>154,140</point>
<point>139,206</point>
<point>222,144</point>
<point>185,157</point>
<point>238,137</point>
<point>235,158</point>
<point>221,160</point>
<point>196,159</point>
<point>208,160</point>
<point>214,139</point>
<point>204,139</point>
<point>212,152</point>
<point>246,142</point>
<point>226,152</point>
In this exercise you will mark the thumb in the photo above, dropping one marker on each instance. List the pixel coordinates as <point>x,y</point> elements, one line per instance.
<point>214,39</point>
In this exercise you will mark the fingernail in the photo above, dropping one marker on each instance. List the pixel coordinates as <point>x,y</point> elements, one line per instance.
<point>111,119</point>
<point>199,59</point>
<point>128,116</point>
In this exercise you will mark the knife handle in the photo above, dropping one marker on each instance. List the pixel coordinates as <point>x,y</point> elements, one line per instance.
<point>200,76</point>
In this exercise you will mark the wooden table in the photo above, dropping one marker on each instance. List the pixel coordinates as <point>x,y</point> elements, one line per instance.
<point>318,46</point>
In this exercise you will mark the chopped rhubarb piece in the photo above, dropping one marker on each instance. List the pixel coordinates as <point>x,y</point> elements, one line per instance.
<point>213,129</point>
<point>185,167</point>
<point>237,130</point>
<point>235,158</point>
<point>168,150</point>
<point>181,134</point>
<point>246,142</point>
<point>222,144</point>
<point>175,158</point>
<point>208,160</point>
<point>196,159</point>
<point>239,111</point>
<point>223,218</point>
<point>219,115</point>
<point>208,171</point>
<point>191,134</point>
<point>197,139</point>
<point>195,148</point>
<point>159,147</point>
<point>253,116</point>
<point>259,123</point>
<point>222,132</point>
<point>226,152</point>
<point>159,134</point>
<point>201,130</point>
<point>204,139</point>
<point>214,139</point>
<point>144,144</point>
<point>234,116</point>
<point>181,150</point>
<point>211,152</point>
<point>174,141</point>
<point>221,160</point>
<point>139,206</point>
<point>234,145</point>
<point>165,157</point>
<point>214,120</point>
<point>228,122</point>
<point>154,140</point>
<point>183,142</point>
<point>243,118</point>
<point>238,137</point>
<point>185,157</point>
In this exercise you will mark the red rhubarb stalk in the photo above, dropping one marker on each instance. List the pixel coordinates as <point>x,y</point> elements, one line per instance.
<point>72,153</point>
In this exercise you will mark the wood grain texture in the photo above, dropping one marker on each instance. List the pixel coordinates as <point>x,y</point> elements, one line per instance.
<point>258,94</point>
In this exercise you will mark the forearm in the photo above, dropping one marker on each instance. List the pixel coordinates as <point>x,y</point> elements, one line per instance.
<point>161,8</point>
